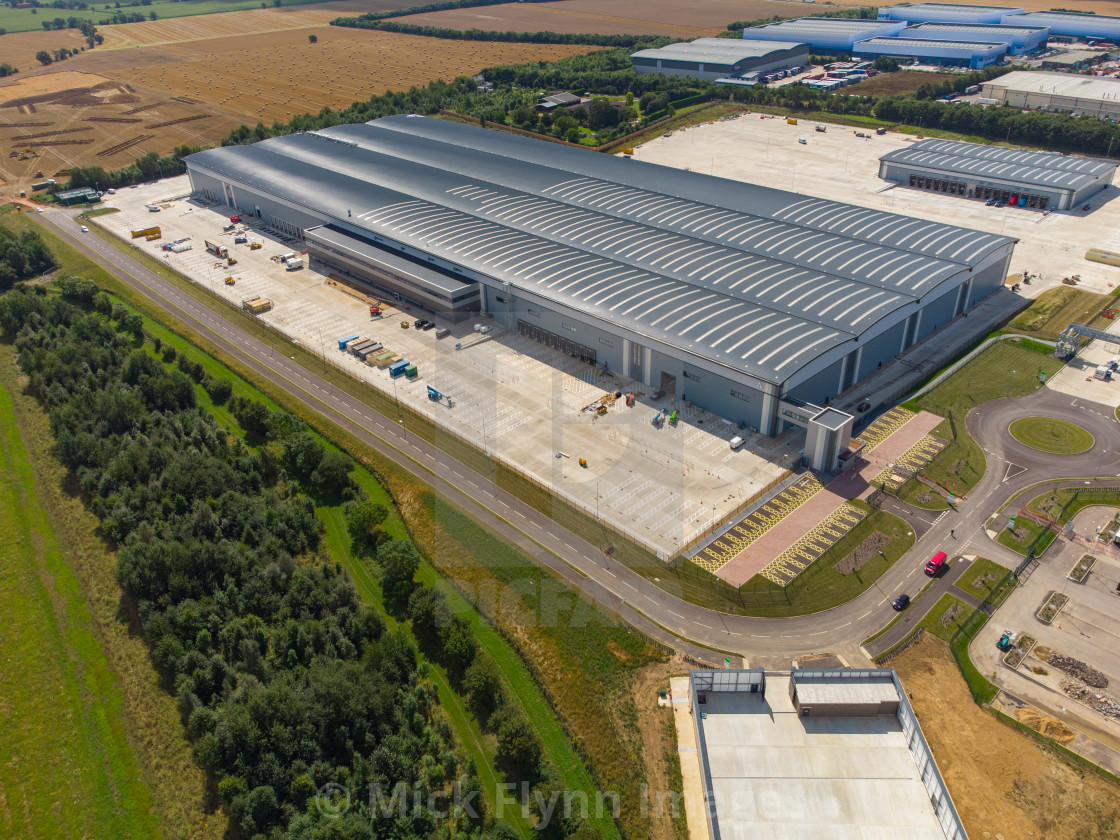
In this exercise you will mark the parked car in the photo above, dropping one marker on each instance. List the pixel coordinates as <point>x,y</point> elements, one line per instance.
<point>428,325</point>
<point>901,602</point>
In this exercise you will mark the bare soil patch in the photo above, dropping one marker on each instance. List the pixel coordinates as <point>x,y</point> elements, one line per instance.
<point>1001,780</point>
<point>625,17</point>
<point>904,81</point>
<point>863,552</point>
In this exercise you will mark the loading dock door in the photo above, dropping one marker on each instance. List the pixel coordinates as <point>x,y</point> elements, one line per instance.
<point>556,342</point>
<point>668,384</point>
<point>637,353</point>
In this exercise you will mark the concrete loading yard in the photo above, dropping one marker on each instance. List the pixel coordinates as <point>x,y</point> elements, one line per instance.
<point>512,396</point>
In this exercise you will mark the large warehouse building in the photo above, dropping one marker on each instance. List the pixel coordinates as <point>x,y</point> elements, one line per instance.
<point>824,33</point>
<point>970,54</point>
<point>1019,39</point>
<point>1044,180</point>
<point>945,13</point>
<point>721,58</point>
<point>1073,24</point>
<point>742,299</point>
<point>1066,93</point>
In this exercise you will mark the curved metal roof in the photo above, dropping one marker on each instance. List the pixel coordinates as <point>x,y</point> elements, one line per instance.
<point>654,250</point>
<point>1043,169</point>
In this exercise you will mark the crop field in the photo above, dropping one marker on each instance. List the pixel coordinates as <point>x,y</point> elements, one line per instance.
<point>625,17</point>
<point>192,80</point>
<point>24,20</point>
<point>279,74</point>
<point>1101,7</point>
<point>53,121</point>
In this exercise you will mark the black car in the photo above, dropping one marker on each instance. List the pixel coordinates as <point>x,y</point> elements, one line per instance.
<point>419,323</point>
<point>901,603</point>
<point>429,325</point>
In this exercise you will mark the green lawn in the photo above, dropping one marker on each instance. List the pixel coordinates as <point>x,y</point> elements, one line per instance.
<point>821,586</point>
<point>912,489</point>
<point>1036,537</point>
<point>1006,369</point>
<point>1049,434</point>
<point>1063,505</point>
<point>982,567</point>
<point>938,620</point>
<point>22,20</point>
<point>69,769</point>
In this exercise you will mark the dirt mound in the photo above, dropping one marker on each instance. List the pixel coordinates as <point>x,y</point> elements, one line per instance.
<point>1001,780</point>
<point>1045,725</point>
<point>1078,669</point>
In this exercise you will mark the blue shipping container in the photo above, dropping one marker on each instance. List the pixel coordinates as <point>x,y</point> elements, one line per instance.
<point>342,342</point>
<point>397,368</point>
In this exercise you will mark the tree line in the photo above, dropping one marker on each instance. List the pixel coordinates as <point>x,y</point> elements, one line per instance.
<point>437,7</point>
<point>860,13</point>
<point>284,679</point>
<point>542,37</point>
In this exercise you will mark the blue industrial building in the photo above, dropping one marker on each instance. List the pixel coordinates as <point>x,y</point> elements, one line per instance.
<point>1019,39</point>
<point>824,33</point>
<point>971,54</point>
<point>1075,24</point>
<point>945,13</point>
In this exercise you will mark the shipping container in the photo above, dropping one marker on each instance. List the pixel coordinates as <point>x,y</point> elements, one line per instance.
<point>386,359</point>
<point>410,371</point>
<point>148,231</point>
<point>342,342</point>
<point>358,345</point>
<point>397,368</point>
<point>370,350</point>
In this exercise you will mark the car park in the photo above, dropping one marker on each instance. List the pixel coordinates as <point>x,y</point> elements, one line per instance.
<point>901,602</point>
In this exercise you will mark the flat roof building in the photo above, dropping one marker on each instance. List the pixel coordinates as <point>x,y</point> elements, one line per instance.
<point>729,295</point>
<point>1077,24</point>
<point>1066,93</point>
<point>813,754</point>
<point>1019,39</point>
<point>972,54</point>
<point>945,13</point>
<point>824,33</point>
<point>718,58</point>
<point>1043,180</point>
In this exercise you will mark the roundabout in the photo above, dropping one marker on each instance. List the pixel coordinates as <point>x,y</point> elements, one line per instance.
<point>1050,434</point>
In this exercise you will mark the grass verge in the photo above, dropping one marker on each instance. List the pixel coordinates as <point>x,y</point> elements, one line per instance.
<point>946,618</point>
<point>70,769</point>
<point>1006,369</point>
<point>982,578</point>
<point>1033,537</point>
<point>1055,309</point>
<point>822,586</point>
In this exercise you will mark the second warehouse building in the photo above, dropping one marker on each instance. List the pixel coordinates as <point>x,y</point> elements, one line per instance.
<point>744,300</point>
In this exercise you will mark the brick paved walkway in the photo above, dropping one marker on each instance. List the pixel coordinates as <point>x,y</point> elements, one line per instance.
<point>856,485</point>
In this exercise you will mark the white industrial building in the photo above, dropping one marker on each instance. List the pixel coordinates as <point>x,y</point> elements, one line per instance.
<point>1042,180</point>
<point>1066,93</point>
<point>1019,39</point>
<point>815,754</point>
<point>971,54</point>
<point>945,13</point>
<point>824,33</point>
<point>1075,24</point>
<point>747,301</point>
<point>721,58</point>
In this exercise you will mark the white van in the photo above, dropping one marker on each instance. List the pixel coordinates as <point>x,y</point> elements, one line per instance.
<point>737,441</point>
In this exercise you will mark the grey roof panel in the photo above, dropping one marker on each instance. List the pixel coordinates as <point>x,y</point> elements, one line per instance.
<point>1042,169</point>
<point>760,282</point>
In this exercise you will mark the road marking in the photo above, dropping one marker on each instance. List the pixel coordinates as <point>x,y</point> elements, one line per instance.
<point>609,572</point>
<point>698,624</point>
<point>570,546</point>
<point>626,583</point>
<point>842,626</point>
<point>678,615</point>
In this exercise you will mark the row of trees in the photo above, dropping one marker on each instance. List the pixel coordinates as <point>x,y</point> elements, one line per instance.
<point>22,255</point>
<point>540,37</point>
<point>285,680</point>
<point>437,7</point>
<point>147,168</point>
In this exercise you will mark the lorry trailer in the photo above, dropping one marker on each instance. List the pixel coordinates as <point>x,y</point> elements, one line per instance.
<point>215,248</point>
<point>294,263</point>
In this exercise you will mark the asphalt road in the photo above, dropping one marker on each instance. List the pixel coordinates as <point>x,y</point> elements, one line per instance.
<point>643,604</point>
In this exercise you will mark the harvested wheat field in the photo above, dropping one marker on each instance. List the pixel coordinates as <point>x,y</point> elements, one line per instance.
<point>279,74</point>
<point>1002,781</point>
<point>610,17</point>
<point>18,48</point>
<point>1101,7</point>
<point>53,121</point>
